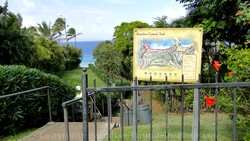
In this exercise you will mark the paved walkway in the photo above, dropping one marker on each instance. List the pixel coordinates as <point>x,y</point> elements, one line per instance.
<point>55,131</point>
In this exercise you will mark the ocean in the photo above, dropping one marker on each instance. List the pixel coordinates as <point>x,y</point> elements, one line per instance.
<point>87,49</point>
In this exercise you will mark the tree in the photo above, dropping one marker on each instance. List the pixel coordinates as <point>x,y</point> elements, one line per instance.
<point>73,56</point>
<point>58,27</point>
<point>44,30</point>
<point>161,22</point>
<point>123,42</point>
<point>4,9</point>
<point>180,23</point>
<point>34,46</point>
<point>15,46</point>
<point>218,19</point>
<point>72,34</point>
<point>108,59</point>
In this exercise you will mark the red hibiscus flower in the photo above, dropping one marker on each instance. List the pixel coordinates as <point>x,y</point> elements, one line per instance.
<point>217,65</point>
<point>210,101</point>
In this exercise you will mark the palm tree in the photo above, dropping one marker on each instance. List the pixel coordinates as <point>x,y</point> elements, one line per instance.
<point>45,30</point>
<point>72,34</point>
<point>58,27</point>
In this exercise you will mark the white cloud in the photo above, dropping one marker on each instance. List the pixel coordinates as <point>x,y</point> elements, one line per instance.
<point>119,2</point>
<point>171,13</point>
<point>29,5</point>
<point>96,19</point>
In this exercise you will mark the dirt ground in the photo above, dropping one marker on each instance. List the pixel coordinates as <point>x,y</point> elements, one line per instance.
<point>144,97</point>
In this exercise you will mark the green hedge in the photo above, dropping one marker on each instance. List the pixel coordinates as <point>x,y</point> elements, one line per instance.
<point>30,109</point>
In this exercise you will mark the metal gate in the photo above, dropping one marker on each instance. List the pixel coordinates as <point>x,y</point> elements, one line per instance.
<point>86,92</point>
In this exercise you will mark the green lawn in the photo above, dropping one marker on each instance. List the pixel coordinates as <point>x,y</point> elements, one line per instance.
<point>74,77</point>
<point>17,136</point>
<point>159,132</point>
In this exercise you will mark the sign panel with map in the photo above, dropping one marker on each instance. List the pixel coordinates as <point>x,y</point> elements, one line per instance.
<point>171,52</point>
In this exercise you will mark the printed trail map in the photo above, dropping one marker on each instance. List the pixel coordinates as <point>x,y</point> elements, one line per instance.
<point>171,53</point>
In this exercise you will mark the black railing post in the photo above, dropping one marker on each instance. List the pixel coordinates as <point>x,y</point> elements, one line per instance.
<point>48,95</point>
<point>182,111</point>
<point>103,112</point>
<point>234,118</point>
<point>151,107</point>
<point>216,109</point>
<point>73,113</point>
<point>199,109</point>
<point>66,122</point>
<point>121,113</point>
<point>167,109</point>
<point>95,118</point>
<point>135,105</point>
<point>109,105</point>
<point>85,106</point>
<point>196,114</point>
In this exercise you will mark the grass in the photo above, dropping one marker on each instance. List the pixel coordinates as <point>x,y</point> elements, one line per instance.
<point>17,136</point>
<point>74,77</point>
<point>174,133</point>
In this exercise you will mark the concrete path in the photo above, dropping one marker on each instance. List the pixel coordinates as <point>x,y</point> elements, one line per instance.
<point>55,131</point>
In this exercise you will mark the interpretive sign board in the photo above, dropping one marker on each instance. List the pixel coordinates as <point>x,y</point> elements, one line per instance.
<point>171,52</point>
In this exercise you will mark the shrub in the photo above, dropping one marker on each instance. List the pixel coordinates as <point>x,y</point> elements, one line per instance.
<point>30,109</point>
<point>73,57</point>
<point>238,60</point>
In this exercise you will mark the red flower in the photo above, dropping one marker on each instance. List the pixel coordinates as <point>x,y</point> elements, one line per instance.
<point>239,13</point>
<point>230,73</point>
<point>216,65</point>
<point>210,101</point>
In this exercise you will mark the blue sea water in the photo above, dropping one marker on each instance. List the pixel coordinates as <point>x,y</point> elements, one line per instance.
<point>87,49</point>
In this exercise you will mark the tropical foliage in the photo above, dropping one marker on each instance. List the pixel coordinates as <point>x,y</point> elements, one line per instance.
<point>72,34</point>
<point>108,60</point>
<point>222,20</point>
<point>22,48</point>
<point>36,47</point>
<point>123,42</point>
<point>30,109</point>
<point>16,47</point>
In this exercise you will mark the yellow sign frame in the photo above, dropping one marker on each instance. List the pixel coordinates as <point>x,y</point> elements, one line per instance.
<point>167,52</point>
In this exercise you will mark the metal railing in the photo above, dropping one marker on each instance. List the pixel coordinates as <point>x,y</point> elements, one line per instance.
<point>33,90</point>
<point>38,89</point>
<point>65,113</point>
<point>136,88</point>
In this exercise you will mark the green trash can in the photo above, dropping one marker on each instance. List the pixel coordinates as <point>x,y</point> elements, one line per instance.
<point>127,117</point>
<point>144,114</point>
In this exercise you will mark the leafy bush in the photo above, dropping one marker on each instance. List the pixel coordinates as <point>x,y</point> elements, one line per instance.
<point>73,57</point>
<point>56,62</point>
<point>238,60</point>
<point>30,109</point>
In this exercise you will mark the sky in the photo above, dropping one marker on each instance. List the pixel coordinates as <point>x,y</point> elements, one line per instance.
<point>95,19</point>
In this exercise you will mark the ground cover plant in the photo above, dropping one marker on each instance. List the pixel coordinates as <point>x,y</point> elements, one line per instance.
<point>174,120</point>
